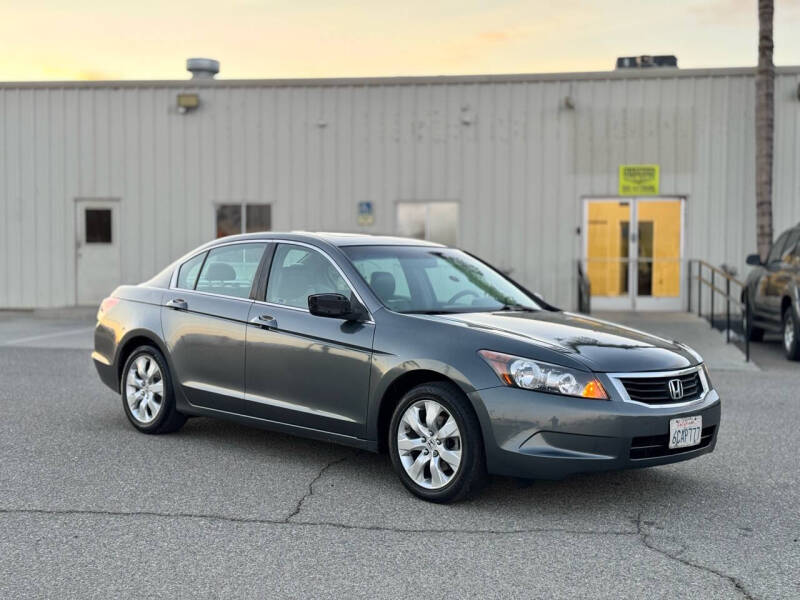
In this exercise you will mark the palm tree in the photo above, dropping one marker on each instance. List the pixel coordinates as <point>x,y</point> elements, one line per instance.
<point>765,126</point>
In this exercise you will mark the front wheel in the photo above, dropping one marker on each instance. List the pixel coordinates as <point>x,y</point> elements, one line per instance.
<point>435,443</point>
<point>147,395</point>
<point>791,334</point>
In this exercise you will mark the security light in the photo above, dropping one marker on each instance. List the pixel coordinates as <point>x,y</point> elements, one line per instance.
<point>187,102</point>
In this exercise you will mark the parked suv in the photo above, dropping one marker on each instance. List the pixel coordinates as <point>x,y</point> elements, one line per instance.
<point>773,293</point>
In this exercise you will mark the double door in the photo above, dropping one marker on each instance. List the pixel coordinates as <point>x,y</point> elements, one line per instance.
<point>633,251</point>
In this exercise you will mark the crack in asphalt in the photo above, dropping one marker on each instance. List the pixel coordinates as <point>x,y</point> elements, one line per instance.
<point>639,533</point>
<point>290,521</point>
<point>310,491</point>
<point>648,543</point>
<point>294,523</point>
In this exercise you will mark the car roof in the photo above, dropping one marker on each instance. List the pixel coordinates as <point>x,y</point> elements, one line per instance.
<point>333,238</point>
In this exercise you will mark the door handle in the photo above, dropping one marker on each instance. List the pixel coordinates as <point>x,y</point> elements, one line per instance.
<point>264,321</point>
<point>177,304</point>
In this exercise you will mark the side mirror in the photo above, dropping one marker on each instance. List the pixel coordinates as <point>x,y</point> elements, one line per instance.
<point>754,260</point>
<point>335,306</point>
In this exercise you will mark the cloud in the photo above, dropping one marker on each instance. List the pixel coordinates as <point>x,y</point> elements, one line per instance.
<point>495,36</point>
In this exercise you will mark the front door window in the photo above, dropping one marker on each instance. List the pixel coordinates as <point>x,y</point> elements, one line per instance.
<point>298,272</point>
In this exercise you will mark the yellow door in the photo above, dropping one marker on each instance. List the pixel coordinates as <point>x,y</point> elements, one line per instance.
<point>633,252</point>
<point>659,248</point>
<point>607,247</point>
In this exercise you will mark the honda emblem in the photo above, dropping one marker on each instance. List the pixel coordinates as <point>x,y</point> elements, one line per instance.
<point>676,389</point>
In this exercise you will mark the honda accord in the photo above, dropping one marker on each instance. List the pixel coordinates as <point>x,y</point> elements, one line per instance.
<point>400,346</point>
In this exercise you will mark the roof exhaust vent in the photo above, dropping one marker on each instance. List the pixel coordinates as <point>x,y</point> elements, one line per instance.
<point>646,61</point>
<point>202,68</point>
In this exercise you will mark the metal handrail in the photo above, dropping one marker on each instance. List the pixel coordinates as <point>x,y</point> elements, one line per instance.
<point>726,295</point>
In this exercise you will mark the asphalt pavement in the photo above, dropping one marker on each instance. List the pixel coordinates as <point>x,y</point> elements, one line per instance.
<point>89,508</point>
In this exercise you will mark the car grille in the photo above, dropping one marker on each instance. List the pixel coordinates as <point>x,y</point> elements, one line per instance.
<point>655,390</point>
<point>653,446</point>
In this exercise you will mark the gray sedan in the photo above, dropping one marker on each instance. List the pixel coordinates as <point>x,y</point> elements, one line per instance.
<point>402,346</point>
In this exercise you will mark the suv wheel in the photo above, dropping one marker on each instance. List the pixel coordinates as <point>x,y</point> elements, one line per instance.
<point>435,443</point>
<point>791,334</point>
<point>147,395</point>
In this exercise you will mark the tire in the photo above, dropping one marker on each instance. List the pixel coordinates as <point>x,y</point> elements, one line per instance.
<point>756,333</point>
<point>148,398</point>
<point>791,334</point>
<point>419,457</point>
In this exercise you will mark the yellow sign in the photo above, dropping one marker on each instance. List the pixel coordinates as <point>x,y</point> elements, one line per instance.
<point>638,180</point>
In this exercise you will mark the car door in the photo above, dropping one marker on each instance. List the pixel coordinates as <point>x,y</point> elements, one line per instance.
<point>302,369</point>
<point>786,271</point>
<point>204,321</point>
<point>778,274</point>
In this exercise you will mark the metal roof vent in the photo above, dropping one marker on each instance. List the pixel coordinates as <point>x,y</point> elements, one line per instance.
<point>202,68</point>
<point>647,61</point>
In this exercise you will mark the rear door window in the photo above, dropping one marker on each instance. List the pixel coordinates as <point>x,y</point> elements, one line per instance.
<point>230,270</point>
<point>187,274</point>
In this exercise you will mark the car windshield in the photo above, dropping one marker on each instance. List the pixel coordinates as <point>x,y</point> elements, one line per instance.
<point>420,279</point>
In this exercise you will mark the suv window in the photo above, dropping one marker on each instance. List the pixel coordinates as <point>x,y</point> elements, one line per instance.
<point>298,272</point>
<point>789,252</point>
<point>230,270</point>
<point>187,274</point>
<point>777,248</point>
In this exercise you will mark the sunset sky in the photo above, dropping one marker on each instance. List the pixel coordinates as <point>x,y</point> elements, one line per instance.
<point>147,39</point>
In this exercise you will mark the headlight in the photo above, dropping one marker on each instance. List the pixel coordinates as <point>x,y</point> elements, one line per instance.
<point>543,377</point>
<point>708,377</point>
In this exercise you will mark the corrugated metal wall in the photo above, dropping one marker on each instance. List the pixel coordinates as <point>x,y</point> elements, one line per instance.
<point>509,150</point>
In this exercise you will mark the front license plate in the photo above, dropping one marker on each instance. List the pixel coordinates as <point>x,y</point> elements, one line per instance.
<point>685,432</point>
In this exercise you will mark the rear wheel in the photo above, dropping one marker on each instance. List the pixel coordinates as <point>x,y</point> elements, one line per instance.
<point>435,443</point>
<point>147,395</point>
<point>791,334</point>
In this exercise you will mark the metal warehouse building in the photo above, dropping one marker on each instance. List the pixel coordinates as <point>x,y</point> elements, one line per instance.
<point>631,172</point>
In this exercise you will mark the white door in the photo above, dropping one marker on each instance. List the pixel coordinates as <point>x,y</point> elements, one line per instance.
<point>97,258</point>
<point>632,251</point>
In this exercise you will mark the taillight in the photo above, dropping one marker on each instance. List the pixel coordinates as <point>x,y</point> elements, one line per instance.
<point>106,305</point>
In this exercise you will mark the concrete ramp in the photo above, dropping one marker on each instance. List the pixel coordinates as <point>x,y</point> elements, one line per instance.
<point>689,329</point>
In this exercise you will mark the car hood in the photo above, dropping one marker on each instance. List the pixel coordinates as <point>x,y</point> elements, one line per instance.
<point>600,345</point>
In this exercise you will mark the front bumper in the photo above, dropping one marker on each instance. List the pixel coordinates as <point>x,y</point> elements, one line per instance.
<point>546,436</point>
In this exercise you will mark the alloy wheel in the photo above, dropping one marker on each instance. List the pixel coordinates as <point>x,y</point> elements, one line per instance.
<point>788,332</point>
<point>429,444</point>
<point>144,389</point>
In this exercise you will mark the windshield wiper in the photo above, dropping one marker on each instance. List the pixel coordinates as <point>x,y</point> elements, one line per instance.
<point>516,308</point>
